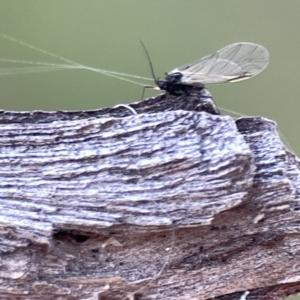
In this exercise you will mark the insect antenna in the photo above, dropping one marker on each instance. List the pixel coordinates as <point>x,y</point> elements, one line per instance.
<point>152,72</point>
<point>149,60</point>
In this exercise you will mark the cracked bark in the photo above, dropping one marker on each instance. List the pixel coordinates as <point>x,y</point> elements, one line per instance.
<point>171,203</point>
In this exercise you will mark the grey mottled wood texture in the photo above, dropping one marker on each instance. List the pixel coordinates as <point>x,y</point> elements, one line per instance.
<point>171,203</point>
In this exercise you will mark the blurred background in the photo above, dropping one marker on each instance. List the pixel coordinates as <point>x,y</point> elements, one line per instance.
<point>106,34</point>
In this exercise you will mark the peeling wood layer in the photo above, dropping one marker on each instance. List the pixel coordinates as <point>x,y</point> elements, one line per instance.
<point>171,203</point>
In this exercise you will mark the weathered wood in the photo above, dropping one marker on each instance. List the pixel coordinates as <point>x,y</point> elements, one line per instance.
<point>171,203</point>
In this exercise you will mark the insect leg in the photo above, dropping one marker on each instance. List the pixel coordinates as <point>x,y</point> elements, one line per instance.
<point>149,87</point>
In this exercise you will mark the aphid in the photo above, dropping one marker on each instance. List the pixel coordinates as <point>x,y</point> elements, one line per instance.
<point>232,63</point>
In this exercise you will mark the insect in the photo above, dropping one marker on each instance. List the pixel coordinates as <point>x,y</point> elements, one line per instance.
<point>235,62</point>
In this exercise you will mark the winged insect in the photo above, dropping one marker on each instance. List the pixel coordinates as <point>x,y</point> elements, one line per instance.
<point>235,62</point>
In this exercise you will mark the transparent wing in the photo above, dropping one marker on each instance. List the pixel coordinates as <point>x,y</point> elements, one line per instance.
<point>232,63</point>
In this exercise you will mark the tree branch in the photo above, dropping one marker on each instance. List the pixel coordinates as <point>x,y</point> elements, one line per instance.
<point>171,203</point>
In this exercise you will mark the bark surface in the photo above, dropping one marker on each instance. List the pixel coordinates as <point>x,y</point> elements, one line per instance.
<point>174,202</point>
